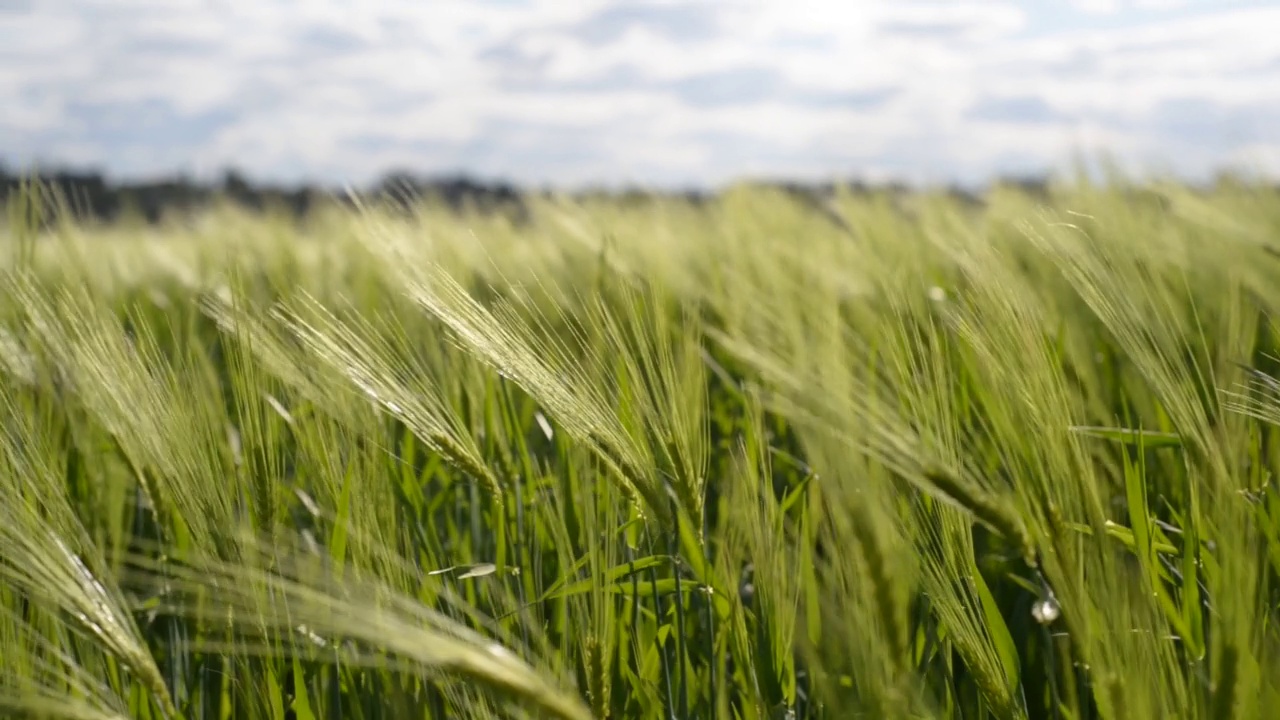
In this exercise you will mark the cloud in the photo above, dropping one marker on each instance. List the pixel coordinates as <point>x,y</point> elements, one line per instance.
<point>1017,109</point>
<point>956,22</point>
<point>1099,7</point>
<point>739,86</point>
<point>1215,125</point>
<point>1111,7</point>
<point>630,91</point>
<point>680,23</point>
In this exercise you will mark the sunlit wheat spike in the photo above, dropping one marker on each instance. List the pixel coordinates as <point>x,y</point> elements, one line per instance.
<point>268,607</point>
<point>546,371</point>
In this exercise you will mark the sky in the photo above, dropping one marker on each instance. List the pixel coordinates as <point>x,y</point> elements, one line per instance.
<point>574,93</point>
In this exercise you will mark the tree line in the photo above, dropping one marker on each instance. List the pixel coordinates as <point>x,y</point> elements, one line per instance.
<point>92,195</point>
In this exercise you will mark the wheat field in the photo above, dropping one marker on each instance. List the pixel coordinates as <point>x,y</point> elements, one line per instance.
<point>906,457</point>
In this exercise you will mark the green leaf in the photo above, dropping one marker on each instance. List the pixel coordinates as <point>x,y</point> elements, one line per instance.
<point>275,695</point>
<point>1119,532</point>
<point>612,575</point>
<point>1145,438</point>
<point>1135,490</point>
<point>794,494</point>
<point>301,702</point>
<point>1000,635</point>
<point>665,586</point>
<point>338,538</point>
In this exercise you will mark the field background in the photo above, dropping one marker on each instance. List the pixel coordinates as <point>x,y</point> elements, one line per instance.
<point>887,455</point>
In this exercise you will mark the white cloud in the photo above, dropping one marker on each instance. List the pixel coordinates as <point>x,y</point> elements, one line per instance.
<point>1097,7</point>
<point>598,90</point>
<point>1111,7</point>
